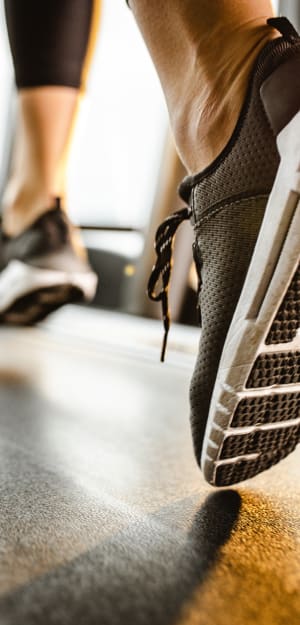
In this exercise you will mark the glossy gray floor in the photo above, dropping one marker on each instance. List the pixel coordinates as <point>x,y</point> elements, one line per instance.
<point>105,518</point>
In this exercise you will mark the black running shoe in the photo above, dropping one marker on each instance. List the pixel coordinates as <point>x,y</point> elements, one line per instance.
<point>245,209</point>
<point>42,269</point>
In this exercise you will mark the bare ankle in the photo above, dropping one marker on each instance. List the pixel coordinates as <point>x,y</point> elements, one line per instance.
<point>45,121</point>
<point>204,121</point>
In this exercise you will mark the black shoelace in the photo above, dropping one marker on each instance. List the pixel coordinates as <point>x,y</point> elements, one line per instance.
<point>164,239</point>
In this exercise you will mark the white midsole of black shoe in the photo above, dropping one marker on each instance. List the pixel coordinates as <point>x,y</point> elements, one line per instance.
<point>275,260</point>
<point>19,279</point>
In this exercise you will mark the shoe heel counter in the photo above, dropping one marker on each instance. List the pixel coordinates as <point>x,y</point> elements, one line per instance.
<point>280,94</point>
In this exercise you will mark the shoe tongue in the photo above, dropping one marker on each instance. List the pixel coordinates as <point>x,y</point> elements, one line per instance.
<point>58,203</point>
<point>185,188</point>
<point>284,26</point>
<point>52,226</point>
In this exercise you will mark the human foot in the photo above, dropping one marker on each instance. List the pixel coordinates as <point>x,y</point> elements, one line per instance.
<point>42,269</point>
<point>245,390</point>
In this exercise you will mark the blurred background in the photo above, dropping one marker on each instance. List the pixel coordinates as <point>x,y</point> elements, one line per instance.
<point>123,171</point>
<point>105,517</point>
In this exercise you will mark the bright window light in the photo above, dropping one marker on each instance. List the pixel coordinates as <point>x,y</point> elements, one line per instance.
<point>121,129</point>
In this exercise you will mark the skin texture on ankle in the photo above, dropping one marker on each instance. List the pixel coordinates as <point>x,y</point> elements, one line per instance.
<point>45,121</point>
<point>204,52</point>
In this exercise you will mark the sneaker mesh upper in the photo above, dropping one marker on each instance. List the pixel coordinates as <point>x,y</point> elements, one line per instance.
<point>226,241</point>
<point>228,201</point>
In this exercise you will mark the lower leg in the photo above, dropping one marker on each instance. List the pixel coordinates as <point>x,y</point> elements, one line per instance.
<point>203,52</point>
<point>51,44</point>
<point>45,120</point>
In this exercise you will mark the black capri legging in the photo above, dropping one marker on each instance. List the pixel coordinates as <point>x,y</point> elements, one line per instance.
<point>49,40</point>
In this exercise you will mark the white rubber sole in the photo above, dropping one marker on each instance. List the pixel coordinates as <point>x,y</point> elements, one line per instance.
<point>274,264</point>
<point>18,280</point>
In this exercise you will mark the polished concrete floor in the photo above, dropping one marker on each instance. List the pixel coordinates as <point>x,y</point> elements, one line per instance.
<point>105,518</point>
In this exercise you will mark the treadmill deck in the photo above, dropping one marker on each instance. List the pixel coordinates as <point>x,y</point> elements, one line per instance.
<point>105,516</point>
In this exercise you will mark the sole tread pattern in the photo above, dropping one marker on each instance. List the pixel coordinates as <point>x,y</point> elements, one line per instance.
<point>286,322</point>
<point>266,441</point>
<point>275,368</point>
<point>37,305</point>
<point>266,409</point>
<point>242,470</point>
<point>270,369</point>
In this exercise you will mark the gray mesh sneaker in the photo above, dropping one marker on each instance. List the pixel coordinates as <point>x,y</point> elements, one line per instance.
<point>245,210</point>
<point>42,269</point>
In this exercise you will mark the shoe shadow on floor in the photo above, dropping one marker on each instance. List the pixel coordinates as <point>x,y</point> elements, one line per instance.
<point>236,563</point>
<point>75,555</point>
<point>256,576</point>
<point>144,573</point>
